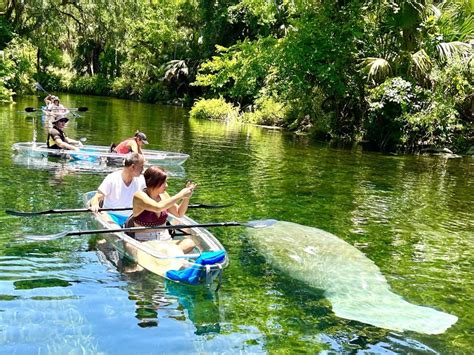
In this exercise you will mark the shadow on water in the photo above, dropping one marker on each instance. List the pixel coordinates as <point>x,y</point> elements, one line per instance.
<point>153,294</point>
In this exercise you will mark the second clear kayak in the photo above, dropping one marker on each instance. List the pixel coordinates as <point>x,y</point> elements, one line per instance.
<point>95,152</point>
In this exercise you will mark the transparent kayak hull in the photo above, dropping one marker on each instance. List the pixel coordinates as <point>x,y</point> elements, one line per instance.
<point>160,257</point>
<point>95,153</point>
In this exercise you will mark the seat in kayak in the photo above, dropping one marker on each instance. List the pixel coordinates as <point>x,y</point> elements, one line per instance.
<point>192,274</point>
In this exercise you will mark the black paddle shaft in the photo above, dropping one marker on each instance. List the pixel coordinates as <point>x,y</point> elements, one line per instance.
<point>252,224</point>
<point>78,210</point>
<point>149,229</point>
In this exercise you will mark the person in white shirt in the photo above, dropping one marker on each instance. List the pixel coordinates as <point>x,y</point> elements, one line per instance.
<point>54,107</point>
<point>118,188</point>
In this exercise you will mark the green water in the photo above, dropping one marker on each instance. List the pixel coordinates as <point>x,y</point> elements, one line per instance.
<point>411,215</point>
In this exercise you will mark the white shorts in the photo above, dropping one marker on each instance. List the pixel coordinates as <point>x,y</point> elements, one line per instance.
<point>161,235</point>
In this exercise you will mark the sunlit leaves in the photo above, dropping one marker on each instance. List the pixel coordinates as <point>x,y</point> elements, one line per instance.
<point>451,49</point>
<point>17,65</point>
<point>239,71</point>
<point>421,63</point>
<point>214,109</point>
<point>265,11</point>
<point>376,69</point>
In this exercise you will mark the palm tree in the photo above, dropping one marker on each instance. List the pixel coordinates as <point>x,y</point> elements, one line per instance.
<point>418,33</point>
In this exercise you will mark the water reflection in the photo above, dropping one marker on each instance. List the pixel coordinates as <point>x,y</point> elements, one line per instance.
<point>153,294</point>
<point>60,168</point>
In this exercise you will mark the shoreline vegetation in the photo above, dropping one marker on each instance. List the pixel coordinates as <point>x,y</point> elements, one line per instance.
<point>395,76</point>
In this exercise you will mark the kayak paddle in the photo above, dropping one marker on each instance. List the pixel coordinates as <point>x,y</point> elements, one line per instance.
<point>80,109</point>
<point>39,87</point>
<point>264,223</point>
<point>78,210</point>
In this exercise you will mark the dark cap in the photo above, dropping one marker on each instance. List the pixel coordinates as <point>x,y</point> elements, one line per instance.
<point>142,137</point>
<point>57,119</point>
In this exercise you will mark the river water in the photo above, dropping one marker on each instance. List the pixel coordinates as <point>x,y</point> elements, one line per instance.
<point>413,216</point>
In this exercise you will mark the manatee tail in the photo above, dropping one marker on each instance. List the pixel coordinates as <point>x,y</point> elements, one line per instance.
<point>391,311</point>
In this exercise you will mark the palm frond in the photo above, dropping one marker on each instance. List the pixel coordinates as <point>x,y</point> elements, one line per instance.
<point>421,62</point>
<point>448,50</point>
<point>433,10</point>
<point>376,69</point>
<point>175,68</point>
<point>456,22</point>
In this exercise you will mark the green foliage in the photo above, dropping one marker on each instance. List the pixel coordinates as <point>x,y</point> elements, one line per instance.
<point>436,125</point>
<point>156,92</point>
<point>214,109</point>
<point>6,95</point>
<point>95,85</point>
<point>121,87</point>
<point>16,66</point>
<point>6,73</point>
<point>454,84</point>
<point>267,111</point>
<point>57,79</point>
<point>238,72</point>
<point>389,105</point>
<point>403,116</point>
<point>325,61</point>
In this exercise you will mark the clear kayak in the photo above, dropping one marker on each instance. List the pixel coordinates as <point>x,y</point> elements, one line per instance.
<point>55,112</point>
<point>203,266</point>
<point>95,153</point>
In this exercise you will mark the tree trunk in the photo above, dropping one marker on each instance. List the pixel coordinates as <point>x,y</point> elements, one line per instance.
<point>38,60</point>
<point>95,58</point>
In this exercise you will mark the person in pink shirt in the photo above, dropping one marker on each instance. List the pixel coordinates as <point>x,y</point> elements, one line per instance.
<point>131,145</point>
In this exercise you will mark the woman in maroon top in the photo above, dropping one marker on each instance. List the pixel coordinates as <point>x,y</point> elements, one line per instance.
<point>151,207</point>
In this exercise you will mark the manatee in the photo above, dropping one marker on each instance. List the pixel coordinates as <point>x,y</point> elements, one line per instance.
<point>352,283</point>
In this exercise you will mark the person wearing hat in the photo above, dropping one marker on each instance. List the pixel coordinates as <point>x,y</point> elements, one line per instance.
<point>48,100</point>
<point>54,106</point>
<point>131,145</point>
<point>57,139</point>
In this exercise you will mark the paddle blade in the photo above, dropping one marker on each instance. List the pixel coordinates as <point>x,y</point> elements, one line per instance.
<point>30,109</point>
<point>20,213</point>
<point>39,87</point>
<point>46,236</point>
<point>83,109</point>
<point>263,223</point>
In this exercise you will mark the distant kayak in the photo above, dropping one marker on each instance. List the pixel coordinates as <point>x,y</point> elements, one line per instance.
<point>53,113</point>
<point>96,153</point>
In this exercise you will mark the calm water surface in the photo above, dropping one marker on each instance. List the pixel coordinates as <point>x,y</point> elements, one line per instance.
<point>413,216</point>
